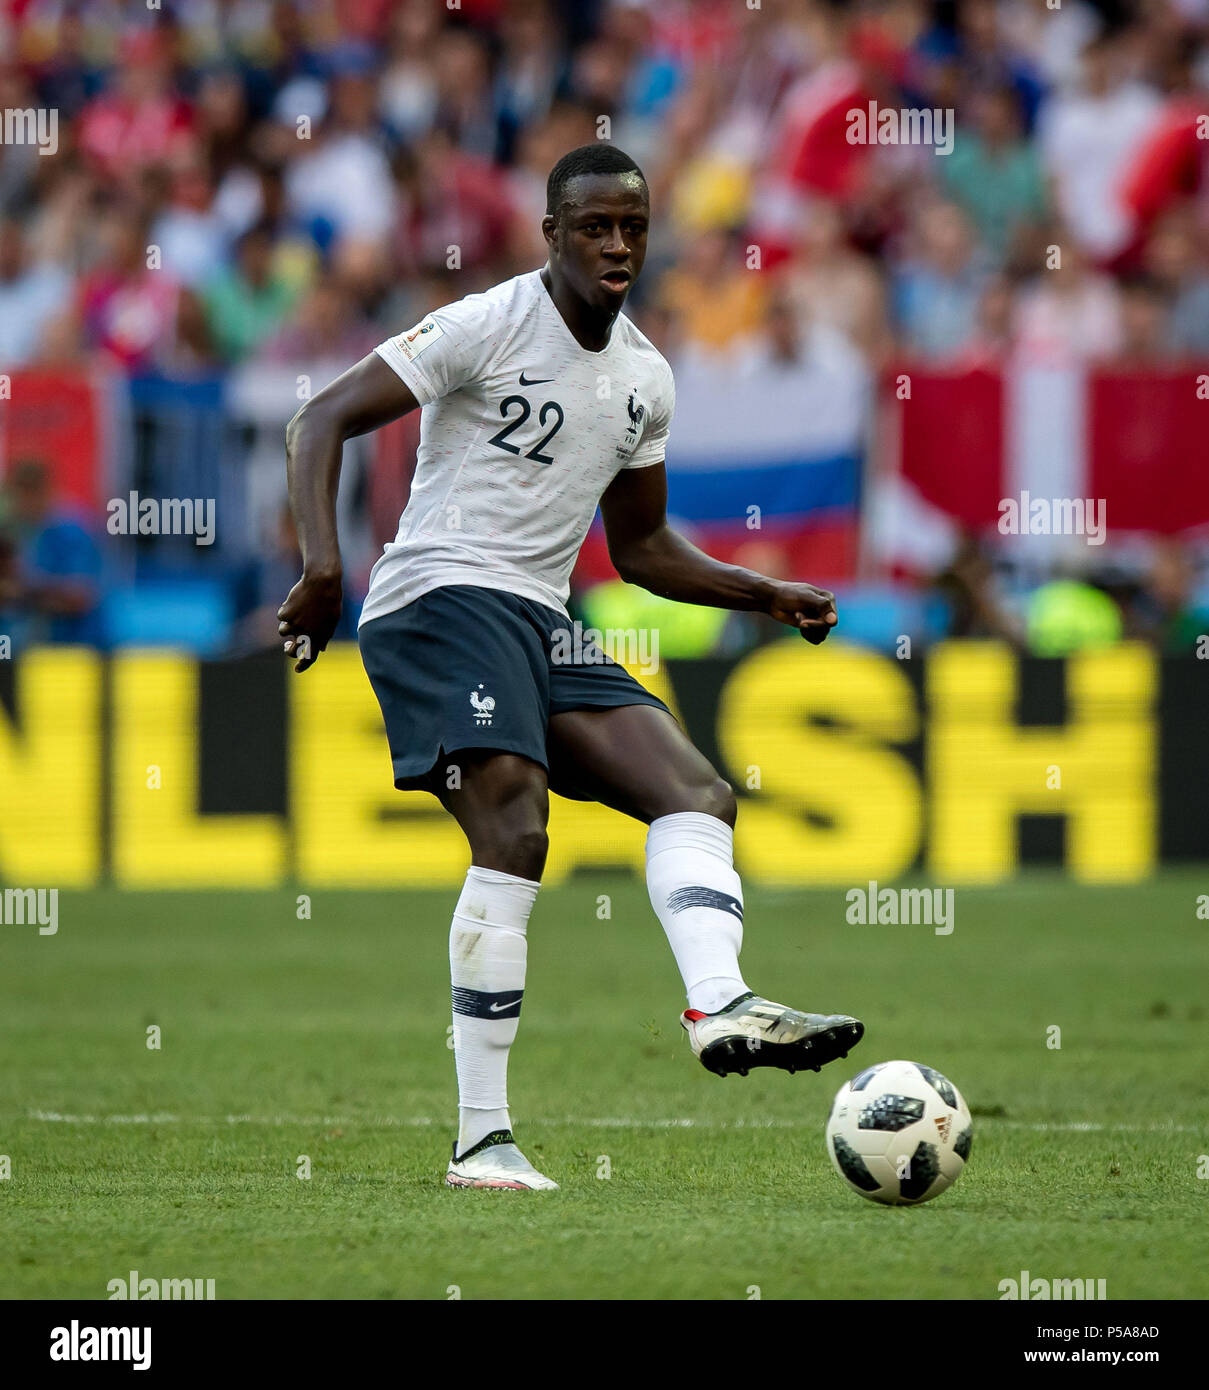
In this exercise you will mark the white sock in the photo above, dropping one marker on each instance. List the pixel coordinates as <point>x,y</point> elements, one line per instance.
<point>698,897</point>
<point>487,951</point>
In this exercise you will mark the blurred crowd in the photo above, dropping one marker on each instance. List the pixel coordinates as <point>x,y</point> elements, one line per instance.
<point>241,181</point>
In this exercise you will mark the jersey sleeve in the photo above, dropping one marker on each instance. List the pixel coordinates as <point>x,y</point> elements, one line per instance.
<point>653,445</point>
<point>441,353</point>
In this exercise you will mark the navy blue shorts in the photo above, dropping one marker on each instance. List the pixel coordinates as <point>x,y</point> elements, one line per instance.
<point>467,667</point>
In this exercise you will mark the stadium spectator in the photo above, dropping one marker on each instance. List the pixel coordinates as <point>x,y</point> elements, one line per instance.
<point>247,302</point>
<point>1171,164</point>
<point>31,296</point>
<point>1145,340</point>
<point>939,285</point>
<point>529,72</point>
<point>130,310</point>
<point>994,174</point>
<point>341,185</point>
<point>138,119</point>
<point>1172,610</point>
<point>990,61</point>
<point>830,283</point>
<point>1172,258</point>
<point>812,151</point>
<point>455,213</point>
<point>187,228</point>
<point>1088,137</point>
<point>1069,313</point>
<point>15,618</point>
<point>408,85</point>
<point>325,326</point>
<point>972,597</point>
<point>68,76</point>
<point>19,159</point>
<point>992,342</point>
<point>787,345</point>
<point>222,120</point>
<point>465,108</point>
<point>1053,37</point>
<point>714,295</point>
<point>58,571</point>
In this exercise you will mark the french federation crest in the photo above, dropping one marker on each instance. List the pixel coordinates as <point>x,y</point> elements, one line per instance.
<point>483,705</point>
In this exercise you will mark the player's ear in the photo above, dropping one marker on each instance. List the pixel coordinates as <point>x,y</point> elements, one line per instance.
<point>550,230</point>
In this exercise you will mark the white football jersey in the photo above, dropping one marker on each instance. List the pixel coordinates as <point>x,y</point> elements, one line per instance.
<point>521,431</point>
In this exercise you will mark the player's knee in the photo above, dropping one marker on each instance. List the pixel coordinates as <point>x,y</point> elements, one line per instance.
<point>712,797</point>
<point>530,847</point>
<point>514,830</point>
<point>503,806</point>
<point>720,801</point>
<point>514,849</point>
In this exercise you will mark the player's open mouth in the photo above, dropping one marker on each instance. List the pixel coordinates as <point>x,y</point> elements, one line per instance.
<point>616,279</point>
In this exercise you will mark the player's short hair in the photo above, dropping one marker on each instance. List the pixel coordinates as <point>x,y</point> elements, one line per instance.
<point>597,158</point>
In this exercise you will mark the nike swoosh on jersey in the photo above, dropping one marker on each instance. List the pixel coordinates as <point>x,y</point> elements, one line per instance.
<point>536,381</point>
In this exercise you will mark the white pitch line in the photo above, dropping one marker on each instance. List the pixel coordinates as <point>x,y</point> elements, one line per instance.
<point>610,1122</point>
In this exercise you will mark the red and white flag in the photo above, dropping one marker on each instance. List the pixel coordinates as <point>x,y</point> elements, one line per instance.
<point>965,443</point>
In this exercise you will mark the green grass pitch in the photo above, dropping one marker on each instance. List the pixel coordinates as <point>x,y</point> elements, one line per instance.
<point>327,1038</point>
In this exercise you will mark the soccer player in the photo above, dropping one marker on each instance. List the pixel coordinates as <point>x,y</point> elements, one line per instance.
<point>540,401</point>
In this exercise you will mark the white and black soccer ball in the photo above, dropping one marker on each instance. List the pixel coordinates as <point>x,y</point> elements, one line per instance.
<point>899,1133</point>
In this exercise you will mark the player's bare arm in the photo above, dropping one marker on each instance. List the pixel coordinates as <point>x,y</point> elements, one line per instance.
<point>362,399</point>
<point>646,551</point>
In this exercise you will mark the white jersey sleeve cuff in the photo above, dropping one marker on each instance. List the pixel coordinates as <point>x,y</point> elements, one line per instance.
<point>407,371</point>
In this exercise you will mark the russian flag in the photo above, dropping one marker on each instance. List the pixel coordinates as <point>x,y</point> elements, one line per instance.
<point>769,448</point>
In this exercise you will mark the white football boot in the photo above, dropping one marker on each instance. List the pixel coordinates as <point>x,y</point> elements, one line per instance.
<point>495,1161</point>
<point>755,1032</point>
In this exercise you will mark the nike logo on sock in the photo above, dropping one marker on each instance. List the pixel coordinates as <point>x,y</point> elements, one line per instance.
<point>698,896</point>
<point>477,1003</point>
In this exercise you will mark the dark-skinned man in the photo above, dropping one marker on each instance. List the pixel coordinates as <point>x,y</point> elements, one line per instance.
<point>540,401</point>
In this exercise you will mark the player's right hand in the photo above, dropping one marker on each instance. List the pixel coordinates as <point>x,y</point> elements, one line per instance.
<point>308,617</point>
<point>804,606</point>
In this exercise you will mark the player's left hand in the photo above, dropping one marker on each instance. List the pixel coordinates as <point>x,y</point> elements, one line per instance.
<point>810,610</point>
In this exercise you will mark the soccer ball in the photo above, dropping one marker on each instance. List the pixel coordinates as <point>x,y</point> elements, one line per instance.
<point>899,1133</point>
